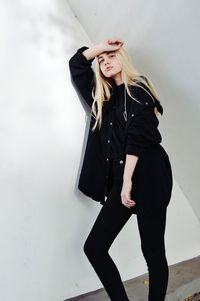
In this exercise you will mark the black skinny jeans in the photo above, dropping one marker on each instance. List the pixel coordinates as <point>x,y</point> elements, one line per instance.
<point>109,222</point>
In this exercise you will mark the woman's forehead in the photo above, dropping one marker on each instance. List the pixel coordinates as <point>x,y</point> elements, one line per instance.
<point>105,53</point>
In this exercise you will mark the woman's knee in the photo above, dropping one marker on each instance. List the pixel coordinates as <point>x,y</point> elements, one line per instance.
<point>93,249</point>
<point>155,251</point>
<point>87,247</point>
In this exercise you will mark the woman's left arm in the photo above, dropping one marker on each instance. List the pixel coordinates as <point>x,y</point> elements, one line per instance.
<point>130,164</point>
<point>141,133</point>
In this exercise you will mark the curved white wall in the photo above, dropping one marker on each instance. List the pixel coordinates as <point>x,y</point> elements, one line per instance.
<point>44,219</point>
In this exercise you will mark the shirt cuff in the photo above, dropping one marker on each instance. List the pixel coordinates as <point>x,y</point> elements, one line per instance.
<point>133,150</point>
<point>82,58</point>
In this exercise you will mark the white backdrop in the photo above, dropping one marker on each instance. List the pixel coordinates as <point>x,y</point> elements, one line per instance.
<point>44,219</point>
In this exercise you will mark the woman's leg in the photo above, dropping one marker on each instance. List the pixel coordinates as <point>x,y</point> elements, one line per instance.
<point>111,219</point>
<point>152,230</point>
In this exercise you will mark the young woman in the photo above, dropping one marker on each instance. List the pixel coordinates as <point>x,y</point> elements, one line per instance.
<point>125,168</point>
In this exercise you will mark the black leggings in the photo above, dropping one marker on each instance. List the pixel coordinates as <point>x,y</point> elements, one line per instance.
<point>109,222</point>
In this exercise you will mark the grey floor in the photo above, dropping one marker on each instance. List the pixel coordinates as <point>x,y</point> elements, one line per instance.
<point>184,282</point>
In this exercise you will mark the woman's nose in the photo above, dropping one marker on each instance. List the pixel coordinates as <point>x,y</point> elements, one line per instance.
<point>106,61</point>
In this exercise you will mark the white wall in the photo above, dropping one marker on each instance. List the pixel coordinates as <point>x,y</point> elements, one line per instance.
<point>44,219</point>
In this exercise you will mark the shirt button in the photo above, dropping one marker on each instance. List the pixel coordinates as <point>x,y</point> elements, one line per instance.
<point>110,123</point>
<point>132,115</point>
<point>146,103</point>
<point>107,159</point>
<point>121,161</point>
<point>108,141</point>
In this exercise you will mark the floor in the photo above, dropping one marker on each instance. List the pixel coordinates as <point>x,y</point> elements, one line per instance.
<point>183,285</point>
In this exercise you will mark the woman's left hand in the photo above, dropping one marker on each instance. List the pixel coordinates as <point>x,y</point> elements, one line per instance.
<point>126,194</point>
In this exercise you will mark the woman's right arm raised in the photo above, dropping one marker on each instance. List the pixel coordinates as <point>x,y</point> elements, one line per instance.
<point>80,65</point>
<point>82,74</point>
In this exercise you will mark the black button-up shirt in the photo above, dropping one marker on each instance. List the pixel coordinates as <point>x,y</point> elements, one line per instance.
<point>119,123</point>
<point>116,138</point>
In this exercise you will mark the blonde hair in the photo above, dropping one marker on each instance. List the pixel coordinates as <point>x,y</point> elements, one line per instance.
<point>103,86</point>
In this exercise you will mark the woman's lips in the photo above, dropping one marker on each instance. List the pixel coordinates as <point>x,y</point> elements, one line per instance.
<point>108,68</point>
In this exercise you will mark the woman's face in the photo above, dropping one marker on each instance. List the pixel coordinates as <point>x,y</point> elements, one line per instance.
<point>108,63</point>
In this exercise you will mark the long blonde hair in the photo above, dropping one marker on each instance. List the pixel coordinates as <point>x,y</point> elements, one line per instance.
<point>103,86</point>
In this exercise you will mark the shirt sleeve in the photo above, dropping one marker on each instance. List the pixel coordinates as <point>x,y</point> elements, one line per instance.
<point>142,130</point>
<point>82,74</point>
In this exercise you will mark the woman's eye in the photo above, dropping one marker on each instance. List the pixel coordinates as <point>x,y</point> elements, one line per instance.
<point>100,61</point>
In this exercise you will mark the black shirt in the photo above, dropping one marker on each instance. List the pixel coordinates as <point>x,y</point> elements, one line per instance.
<point>141,136</point>
<point>119,122</point>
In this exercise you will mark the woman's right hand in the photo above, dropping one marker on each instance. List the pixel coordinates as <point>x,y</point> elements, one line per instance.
<point>111,44</point>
